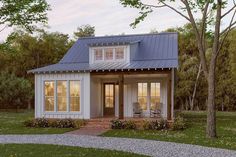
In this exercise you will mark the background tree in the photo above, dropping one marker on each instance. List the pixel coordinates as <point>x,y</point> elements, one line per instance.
<point>23,13</point>
<point>14,91</point>
<point>84,31</point>
<point>211,12</point>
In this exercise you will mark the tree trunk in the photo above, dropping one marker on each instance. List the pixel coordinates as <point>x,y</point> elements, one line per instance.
<point>195,87</point>
<point>211,113</point>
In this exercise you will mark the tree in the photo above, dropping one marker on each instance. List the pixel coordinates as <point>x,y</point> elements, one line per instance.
<point>84,31</point>
<point>21,13</point>
<point>25,51</point>
<point>14,91</point>
<point>211,15</point>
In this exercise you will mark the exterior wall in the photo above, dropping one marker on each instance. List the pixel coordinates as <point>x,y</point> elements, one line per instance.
<point>84,112</point>
<point>96,98</point>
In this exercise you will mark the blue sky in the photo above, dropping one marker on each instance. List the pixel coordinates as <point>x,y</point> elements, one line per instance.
<point>108,16</point>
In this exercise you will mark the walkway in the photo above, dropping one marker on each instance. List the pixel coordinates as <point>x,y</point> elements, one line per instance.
<point>139,146</point>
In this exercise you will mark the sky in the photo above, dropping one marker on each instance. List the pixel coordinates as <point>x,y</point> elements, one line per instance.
<point>108,16</point>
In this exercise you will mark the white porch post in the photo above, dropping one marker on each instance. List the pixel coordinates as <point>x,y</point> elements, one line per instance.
<point>86,96</point>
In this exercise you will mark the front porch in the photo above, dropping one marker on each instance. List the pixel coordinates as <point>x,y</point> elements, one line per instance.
<point>114,93</point>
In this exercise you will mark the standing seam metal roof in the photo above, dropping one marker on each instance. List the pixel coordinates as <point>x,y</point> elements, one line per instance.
<point>146,51</point>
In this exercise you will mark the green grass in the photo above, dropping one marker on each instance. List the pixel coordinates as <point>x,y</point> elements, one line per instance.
<point>12,123</point>
<point>32,150</point>
<point>194,134</point>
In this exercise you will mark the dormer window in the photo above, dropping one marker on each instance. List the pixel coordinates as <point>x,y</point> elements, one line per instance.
<point>120,53</point>
<point>109,54</point>
<point>98,54</point>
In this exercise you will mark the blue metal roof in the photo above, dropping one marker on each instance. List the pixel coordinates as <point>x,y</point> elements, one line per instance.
<point>146,51</point>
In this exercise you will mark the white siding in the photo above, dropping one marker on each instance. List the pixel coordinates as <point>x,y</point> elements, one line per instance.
<point>85,95</point>
<point>96,98</point>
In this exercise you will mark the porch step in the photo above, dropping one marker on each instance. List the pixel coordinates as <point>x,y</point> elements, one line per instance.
<point>102,123</point>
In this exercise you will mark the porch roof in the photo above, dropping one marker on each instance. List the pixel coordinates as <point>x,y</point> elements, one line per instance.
<point>86,67</point>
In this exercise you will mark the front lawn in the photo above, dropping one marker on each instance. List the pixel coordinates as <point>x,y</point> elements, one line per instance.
<point>12,123</point>
<point>194,134</point>
<point>36,150</point>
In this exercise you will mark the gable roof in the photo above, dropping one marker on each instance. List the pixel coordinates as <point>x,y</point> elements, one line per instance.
<point>146,51</point>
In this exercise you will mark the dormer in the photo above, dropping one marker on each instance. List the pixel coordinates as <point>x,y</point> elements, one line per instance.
<point>114,53</point>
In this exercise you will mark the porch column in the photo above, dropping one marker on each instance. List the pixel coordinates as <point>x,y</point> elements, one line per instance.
<point>121,96</point>
<point>169,96</point>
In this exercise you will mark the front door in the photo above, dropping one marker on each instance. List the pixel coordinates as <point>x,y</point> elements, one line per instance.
<point>109,99</point>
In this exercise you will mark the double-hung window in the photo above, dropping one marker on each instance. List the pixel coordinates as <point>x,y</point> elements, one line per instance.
<point>142,95</point>
<point>61,95</point>
<point>49,95</point>
<point>155,95</point>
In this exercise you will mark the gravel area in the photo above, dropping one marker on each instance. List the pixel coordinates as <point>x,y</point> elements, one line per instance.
<point>139,146</point>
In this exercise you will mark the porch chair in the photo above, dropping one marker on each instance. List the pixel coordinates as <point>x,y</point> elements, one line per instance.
<point>137,110</point>
<point>156,110</point>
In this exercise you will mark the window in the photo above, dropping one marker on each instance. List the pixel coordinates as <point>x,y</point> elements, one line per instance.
<point>155,95</point>
<point>74,95</point>
<point>109,95</point>
<point>49,95</point>
<point>119,53</point>
<point>61,95</point>
<point>142,95</point>
<point>98,54</point>
<point>108,54</point>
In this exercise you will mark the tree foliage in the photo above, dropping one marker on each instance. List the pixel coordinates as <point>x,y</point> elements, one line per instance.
<point>14,91</point>
<point>23,13</point>
<point>84,31</point>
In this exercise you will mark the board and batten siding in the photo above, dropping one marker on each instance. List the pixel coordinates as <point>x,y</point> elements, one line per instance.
<point>84,79</point>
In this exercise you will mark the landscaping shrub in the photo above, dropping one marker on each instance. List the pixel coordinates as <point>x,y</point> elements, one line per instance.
<point>129,125</point>
<point>179,123</point>
<point>117,124</point>
<point>65,123</point>
<point>54,123</point>
<point>155,125</point>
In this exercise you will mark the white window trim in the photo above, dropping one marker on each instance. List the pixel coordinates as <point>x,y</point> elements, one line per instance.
<point>55,97</point>
<point>126,54</point>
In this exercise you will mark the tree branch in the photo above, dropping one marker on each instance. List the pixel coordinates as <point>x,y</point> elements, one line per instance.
<point>204,18</point>
<point>172,8</point>
<point>230,26</point>
<point>3,28</point>
<point>229,11</point>
<point>199,39</point>
<point>226,31</point>
<point>153,6</point>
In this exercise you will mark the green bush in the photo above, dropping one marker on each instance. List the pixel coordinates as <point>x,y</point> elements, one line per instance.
<point>179,123</point>
<point>155,125</point>
<point>54,123</point>
<point>117,124</point>
<point>129,125</point>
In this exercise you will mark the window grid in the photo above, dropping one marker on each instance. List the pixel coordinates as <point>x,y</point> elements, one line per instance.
<point>142,95</point>
<point>109,54</point>
<point>62,97</point>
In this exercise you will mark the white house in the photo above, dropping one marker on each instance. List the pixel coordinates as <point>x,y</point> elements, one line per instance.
<point>105,76</point>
